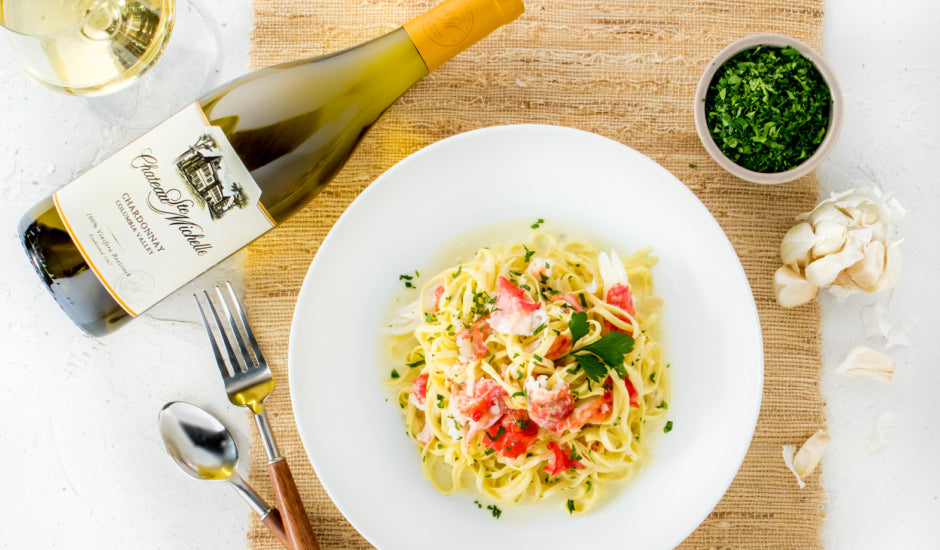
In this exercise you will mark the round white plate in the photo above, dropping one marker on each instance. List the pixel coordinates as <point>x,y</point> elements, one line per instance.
<point>355,437</point>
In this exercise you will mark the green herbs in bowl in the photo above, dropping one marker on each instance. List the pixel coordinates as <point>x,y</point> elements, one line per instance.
<point>768,109</point>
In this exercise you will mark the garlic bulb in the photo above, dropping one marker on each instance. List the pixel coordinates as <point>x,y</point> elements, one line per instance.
<point>844,245</point>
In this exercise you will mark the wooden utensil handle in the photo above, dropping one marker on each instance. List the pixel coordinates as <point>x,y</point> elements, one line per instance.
<point>276,526</point>
<point>292,509</point>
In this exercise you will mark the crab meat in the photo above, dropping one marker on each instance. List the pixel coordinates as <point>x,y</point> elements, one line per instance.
<point>549,408</point>
<point>515,313</point>
<point>478,405</point>
<point>472,341</point>
<point>419,391</point>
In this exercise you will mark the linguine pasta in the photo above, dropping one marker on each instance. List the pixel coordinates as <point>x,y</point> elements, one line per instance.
<point>532,371</point>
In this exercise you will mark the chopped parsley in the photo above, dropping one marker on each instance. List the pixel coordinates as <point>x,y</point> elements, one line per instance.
<point>528,253</point>
<point>767,108</point>
<point>440,401</point>
<point>499,433</point>
<point>407,279</point>
<point>538,329</point>
<point>653,377</point>
<point>417,363</point>
<point>668,427</point>
<point>495,510</point>
<point>582,299</point>
<point>570,505</point>
<point>458,272</point>
<point>537,224</point>
<point>662,405</point>
<point>395,374</point>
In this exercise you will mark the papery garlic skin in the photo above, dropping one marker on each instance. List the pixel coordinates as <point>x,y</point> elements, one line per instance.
<point>843,244</point>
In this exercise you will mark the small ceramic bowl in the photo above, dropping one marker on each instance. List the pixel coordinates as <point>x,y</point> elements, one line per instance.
<point>835,109</point>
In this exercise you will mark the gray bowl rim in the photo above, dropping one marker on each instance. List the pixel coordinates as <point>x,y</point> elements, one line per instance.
<point>835,110</point>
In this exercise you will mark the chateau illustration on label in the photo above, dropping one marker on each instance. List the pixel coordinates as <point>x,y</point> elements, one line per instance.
<point>202,169</point>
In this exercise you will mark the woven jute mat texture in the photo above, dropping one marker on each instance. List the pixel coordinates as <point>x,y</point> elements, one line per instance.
<point>625,69</point>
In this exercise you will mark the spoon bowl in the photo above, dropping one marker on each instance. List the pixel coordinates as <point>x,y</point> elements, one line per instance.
<point>198,442</point>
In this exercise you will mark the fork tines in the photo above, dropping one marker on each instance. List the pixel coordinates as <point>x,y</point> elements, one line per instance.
<point>224,332</point>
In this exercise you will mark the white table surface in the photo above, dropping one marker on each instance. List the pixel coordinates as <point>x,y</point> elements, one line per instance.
<point>81,462</point>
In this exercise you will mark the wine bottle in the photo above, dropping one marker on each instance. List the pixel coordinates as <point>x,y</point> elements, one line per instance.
<point>221,172</point>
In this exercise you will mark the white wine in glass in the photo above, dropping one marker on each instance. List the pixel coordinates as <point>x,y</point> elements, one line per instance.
<point>87,47</point>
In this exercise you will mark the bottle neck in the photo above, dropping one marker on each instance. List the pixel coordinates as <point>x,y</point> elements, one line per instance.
<point>454,25</point>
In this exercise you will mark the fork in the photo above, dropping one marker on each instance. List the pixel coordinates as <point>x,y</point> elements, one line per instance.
<point>248,382</point>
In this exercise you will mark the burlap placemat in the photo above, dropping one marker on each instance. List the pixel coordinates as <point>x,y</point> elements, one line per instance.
<point>625,69</point>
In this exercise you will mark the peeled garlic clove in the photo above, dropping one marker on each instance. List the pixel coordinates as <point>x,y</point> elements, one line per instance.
<point>789,451</point>
<point>829,236</point>
<point>860,234</point>
<point>796,244</point>
<point>809,455</point>
<point>863,362</point>
<point>824,271</point>
<point>791,289</point>
<point>804,462</point>
<point>825,211</point>
<point>892,270</point>
<point>868,270</point>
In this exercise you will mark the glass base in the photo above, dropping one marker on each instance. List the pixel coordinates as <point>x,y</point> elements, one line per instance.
<point>185,70</point>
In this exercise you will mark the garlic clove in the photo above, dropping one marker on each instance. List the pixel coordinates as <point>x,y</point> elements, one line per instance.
<point>803,462</point>
<point>796,244</point>
<point>823,271</point>
<point>825,211</point>
<point>892,271</point>
<point>863,362</point>
<point>868,270</point>
<point>811,453</point>
<point>829,238</point>
<point>791,289</point>
<point>789,451</point>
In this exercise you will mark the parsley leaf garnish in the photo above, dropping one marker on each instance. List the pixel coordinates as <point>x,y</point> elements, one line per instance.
<point>578,325</point>
<point>612,348</point>
<point>537,224</point>
<point>593,367</point>
<point>668,427</point>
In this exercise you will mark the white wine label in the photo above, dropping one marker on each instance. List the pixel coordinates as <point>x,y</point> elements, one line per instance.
<point>163,209</point>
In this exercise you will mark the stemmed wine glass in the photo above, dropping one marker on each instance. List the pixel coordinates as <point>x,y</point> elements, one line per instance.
<point>116,54</point>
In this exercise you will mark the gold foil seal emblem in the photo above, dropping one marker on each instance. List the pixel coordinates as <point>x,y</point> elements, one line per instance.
<point>450,23</point>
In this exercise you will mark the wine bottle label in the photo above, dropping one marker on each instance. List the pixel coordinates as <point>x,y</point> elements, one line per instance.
<point>163,209</point>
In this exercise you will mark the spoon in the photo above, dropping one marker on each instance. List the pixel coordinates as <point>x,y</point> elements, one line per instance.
<point>204,448</point>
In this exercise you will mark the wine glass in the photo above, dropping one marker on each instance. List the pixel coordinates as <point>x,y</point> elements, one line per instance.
<point>116,54</point>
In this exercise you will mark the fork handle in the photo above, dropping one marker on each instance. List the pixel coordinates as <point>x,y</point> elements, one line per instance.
<point>296,522</point>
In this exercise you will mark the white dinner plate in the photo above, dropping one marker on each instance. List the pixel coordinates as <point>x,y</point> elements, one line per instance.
<point>355,436</point>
